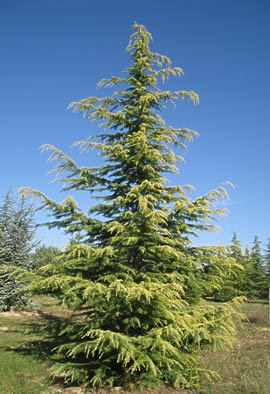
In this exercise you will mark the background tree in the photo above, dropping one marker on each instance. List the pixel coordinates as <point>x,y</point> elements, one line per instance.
<point>232,284</point>
<point>257,277</point>
<point>132,280</point>
<point>43,255</point>
<point>267,260</point>
<point>236,247</point>
<point>17,239</point>
<point>251,278</point>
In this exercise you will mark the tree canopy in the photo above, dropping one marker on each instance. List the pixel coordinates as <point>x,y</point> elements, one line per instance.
<point>17,240</point>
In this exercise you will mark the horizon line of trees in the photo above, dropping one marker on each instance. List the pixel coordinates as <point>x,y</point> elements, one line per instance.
<point>252,279</point>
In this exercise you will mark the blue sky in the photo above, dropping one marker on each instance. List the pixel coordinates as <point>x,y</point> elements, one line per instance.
<point>54,52</point>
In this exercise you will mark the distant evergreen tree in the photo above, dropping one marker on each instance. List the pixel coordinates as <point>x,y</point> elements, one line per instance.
<point>44,255</point>
<point>256,274</point>
<point>134,279</point>
<point>246,284</point>
<point>232,283</point>
<point>256,252</point>
<point>267,260</point>
<point>247,252</point>
<point>17,239</point>
<point>251,281</point>
<point>236,247</point>
<point>267,266</point>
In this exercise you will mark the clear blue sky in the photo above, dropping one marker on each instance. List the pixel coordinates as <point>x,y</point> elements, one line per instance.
<point>54,52</point>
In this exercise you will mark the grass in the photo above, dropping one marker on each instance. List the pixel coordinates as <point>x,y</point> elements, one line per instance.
<point>25,364</point>
<point>246,367</point>
<point>19,374</point>
<point>26,370</point>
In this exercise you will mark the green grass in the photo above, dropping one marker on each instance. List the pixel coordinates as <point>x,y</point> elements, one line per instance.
<point>246,367</point>
<point>18,373</point>
<point>25,359</point>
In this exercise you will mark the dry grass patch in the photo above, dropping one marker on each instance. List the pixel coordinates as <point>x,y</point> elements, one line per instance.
<point>246,367</point>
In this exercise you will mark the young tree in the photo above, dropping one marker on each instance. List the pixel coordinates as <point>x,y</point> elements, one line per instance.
<point>134,278</point>
<point>17,239</point>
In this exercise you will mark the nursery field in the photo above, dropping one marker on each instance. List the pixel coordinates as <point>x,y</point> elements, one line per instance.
<point>25,360</point>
